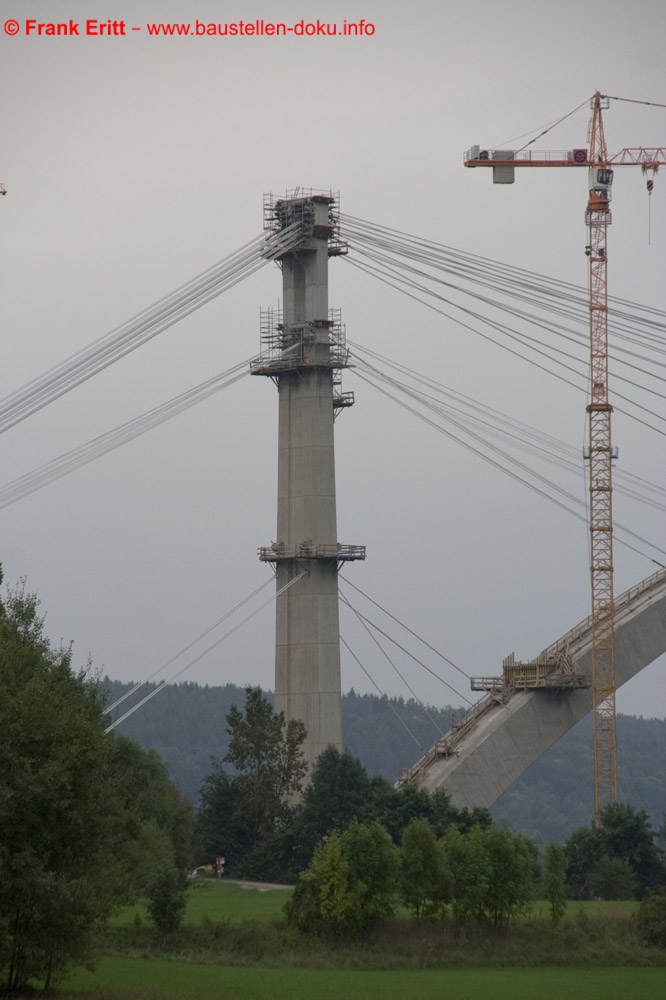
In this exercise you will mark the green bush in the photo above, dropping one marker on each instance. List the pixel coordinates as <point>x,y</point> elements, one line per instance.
<point>651,918</point>
<point>612,878</point>
<point>349,886</point>
<point>554,881</point>
<point>167,899</point>
<point>425,881</point>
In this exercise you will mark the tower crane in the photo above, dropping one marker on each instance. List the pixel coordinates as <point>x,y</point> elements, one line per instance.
<point>600,451</point>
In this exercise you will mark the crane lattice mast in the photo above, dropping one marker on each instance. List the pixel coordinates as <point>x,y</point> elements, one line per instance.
<point>600,456</point>
<point>600,451</point>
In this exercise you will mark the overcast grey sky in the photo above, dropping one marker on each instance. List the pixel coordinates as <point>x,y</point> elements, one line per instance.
<point>132,163</point>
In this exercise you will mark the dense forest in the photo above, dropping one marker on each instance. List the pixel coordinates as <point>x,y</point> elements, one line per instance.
<point>186,724</point>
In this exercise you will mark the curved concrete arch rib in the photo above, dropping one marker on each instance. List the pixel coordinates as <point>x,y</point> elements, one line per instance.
<point>505,732</point>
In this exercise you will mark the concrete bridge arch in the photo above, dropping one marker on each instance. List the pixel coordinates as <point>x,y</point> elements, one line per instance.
<point>507,730</point>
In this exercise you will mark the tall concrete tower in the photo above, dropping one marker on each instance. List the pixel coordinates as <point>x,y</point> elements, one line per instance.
<point>304,353</point>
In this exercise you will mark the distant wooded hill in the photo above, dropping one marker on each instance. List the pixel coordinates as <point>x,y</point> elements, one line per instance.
<point>186,724</point>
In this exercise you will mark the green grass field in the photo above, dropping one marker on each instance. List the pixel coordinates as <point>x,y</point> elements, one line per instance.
<point>210,900</point>
<point>593,909</point>
<point>235,945</point>
<point>134,979</point>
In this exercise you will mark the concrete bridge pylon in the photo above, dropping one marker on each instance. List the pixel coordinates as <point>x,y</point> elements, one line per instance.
<point>304,353</point>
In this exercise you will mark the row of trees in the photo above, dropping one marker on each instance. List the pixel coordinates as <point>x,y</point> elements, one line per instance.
<point>358,876</point>
<point>248,813</point>
<point>87,820</point>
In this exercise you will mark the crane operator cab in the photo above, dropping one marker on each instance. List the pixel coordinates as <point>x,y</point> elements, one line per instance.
<point>601,179</point>
<point>598,205</point>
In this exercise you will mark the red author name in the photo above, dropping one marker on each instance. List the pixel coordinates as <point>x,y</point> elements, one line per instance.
<point>90,27</point>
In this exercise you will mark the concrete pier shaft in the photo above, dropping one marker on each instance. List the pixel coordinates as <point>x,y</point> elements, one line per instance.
<point>306,353</point>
